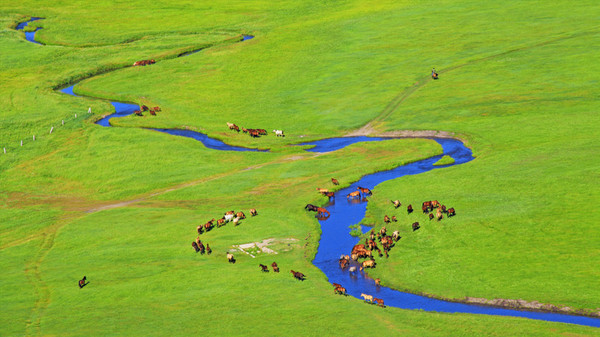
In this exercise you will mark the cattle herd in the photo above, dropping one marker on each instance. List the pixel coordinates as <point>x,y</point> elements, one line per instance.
<point>235,218</point>
<point>255,133</point>
<point>143,108</point>
<point>366,251</point>
<point>143,63</point>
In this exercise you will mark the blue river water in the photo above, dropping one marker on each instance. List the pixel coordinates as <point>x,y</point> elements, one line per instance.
<point>29,36</point>
<point>335,238</point>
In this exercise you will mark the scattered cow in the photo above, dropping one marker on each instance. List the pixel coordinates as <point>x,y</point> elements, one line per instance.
<point>264,268</point>
<point>275,267</point>
<point>311,207</point>
<point>379,302</point>
<point>415,226</point>
<point>298,275</point>
<point>396,203</point>
<point>230,258</point>
<point>253,212</point>
<point>451,212</point>
<point>396,236</point>
<point>143,63</point>
<point>340,290</point>
<point>368,298</point>
<point>82,282</point>
<point>355,194</point>
<point>409,209</point>
<point>386,219</point>
<point>208,250</point>
<point>335,181</point>
<point>364,190</point>
<point>279,133</point>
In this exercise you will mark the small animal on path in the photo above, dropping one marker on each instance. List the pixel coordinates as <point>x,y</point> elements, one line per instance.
<point>82,282</point>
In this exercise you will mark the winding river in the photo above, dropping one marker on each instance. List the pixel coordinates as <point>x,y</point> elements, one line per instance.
<point>336,239</point>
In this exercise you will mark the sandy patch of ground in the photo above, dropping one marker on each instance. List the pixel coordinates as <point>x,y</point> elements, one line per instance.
<point>255,248</point>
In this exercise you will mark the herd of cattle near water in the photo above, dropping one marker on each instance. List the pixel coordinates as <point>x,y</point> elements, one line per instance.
<point>255,133</point>
<point>359,251</point>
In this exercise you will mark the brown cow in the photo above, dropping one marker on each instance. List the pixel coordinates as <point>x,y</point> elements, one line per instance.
<point>264,268</point>
<point>298,275</point>
<point>394,218</point>
<point>435,204</point>
<point>425,209</point>
<point>386,219</point>
<point>199,229</point>
<point>335,285</point>
<point>368,264</point>
<point>379,302</point>
<point>322,212</point>
<point>220,222</point>
<point>364,190</point>
<point>415,226</point>
<point>275,267</point>
<point>208,250</point>
<point>451,212</point>
<point>195,245</point>
<point>340,290</point>
<point>329,194</point>
<point>430,216</point>
<point>343,263</point>
<point>335,181</point>
<point>439,215</point>
<point>409,209</point>
<point>383,230</point>
<point>378,281</point>
<point>355,194</point>
<point>241,215</point>
<point>253,212</point>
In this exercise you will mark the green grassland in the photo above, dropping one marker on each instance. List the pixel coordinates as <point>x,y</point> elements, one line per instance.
<point>517,84</point>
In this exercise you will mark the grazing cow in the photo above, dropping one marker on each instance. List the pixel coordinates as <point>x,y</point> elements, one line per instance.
<point>451,212</point>
<point>427,204</point>
<point>396,203</point>
<point>254,133</point>
<point>322,212</point>
<point>232,126</point>
<point>379,302</point>
<point>354,256</point>
<point>444,209</point>
<point>200,246</point>
<point>264,268</point>
<point>367,298</point>
<point>253,212</point>
<point>386,219</point>
<point>138,113</point>
<point>425,209</point>
<point>335,181</point>
<point>228,217</point>
<point>329,194</point>
<point>208,250</point>
<point>241,215</point>
<point>322,190</point>
<point>358,248</point>
<point>208,226</point>
<point>368,264</point>
<point>340,290</point>
<point>220,222</point>
<point>439,215</point>
<point>195,245</point>
<point>236,221</point>
<point>261,132</point>
<point>394,218</point>
<point>275,267</point>
<point>279,133</point>
<point>144,108</point>
<point>415,226</point>
<point>311,207</point>
<point>409,209</point>
<point>396,236</point>
<point>430,216</point>
<point>435,204</point>
<point>378,281</point>
<point>152,112</point>
<point>156,109</point>
<point>372,235</point>
<point>298,275</point>
<point>230,258</point>
<point>355,194</point>
<point>383,230</point>
<point>199,228</point>
<point>82,282</point>
<point>335,285</point>
<point>364,190</point>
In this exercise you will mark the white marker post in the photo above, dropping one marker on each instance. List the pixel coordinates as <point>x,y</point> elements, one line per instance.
<point>34,138</point>
<point>21,142</point>
<point>75,115</point>
<point>63,122</point>
<point>90,110</point>
<point>4,150</point>
<point>52,128</point>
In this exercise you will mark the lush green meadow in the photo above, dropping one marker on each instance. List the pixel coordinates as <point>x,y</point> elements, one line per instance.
<point>121,205</point>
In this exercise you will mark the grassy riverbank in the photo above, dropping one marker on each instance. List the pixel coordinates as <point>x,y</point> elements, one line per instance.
<point>515,82</point>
